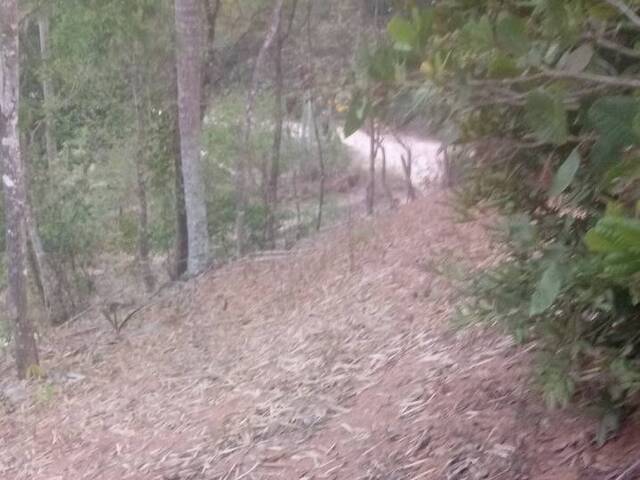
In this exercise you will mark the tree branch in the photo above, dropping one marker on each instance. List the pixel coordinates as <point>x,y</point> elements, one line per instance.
<point>626,10</point>
<point>613,46</point>
<point>548,73</point>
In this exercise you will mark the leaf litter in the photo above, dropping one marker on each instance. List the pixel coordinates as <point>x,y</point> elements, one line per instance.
<point>300,365</point>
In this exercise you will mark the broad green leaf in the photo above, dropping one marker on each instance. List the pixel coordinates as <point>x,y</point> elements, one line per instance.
<point>547,117</point>
<point>382,65</point>
<point>357,114</point>
<point>614,209</point>
<point>547,290</point>
<point>423,18</point>
<point>636,125</point>
<point>403,33</point>
<point>615,235</point>
<point>565,174</point>
<point>577,60</point>
<point>602,11</point>
<point>614,118</point>
<point>479,34</point>
<point>511,34</point>
<point>605,153</point>
<point>597,242</point>
<point>556,16</point>
<point>625,171</point>
<point>502,66</point>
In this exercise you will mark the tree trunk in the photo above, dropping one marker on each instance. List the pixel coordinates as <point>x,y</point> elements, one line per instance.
<point>47,280</point>
<point>141,186</point>
<point>244,161</point>
<point>323,174</point>
<point>182,237</point>
<point>274,171</point>
<point>371,187</point>
<point>314,120</point>
<point>26,351</point>
<point>212,9</point>
<point>407,165</point>
<point>189,63</point>
<point>47,90</point>
<point>383,170</point>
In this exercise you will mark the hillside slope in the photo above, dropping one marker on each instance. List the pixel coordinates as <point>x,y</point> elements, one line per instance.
<point>335,360</point>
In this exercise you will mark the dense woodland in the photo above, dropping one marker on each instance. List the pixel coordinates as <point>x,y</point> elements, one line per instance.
<point>160,139</point>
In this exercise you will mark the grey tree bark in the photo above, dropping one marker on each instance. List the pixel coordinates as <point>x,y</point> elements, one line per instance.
<point>371,186</point>
<point>407,165</point>
<point>245,159</point>
<point>26,351</point>
<point>271,191</point>
<point>271,176</point>
<point>141,184</point>
<point>189,30</point>
<point>52,294</point>
<point>47,89</point>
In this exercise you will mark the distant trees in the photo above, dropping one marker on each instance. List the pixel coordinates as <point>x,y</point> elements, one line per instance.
<point>26,351</point>
<point>243,162</point>
<point>189,30</point>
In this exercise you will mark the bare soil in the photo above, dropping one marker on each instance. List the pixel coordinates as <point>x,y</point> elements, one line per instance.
<point>336,360</point>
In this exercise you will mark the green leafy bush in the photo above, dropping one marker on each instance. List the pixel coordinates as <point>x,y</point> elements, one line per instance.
<point>548,115</point>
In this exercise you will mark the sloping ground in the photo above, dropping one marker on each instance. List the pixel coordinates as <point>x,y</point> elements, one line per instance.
<point>334,361</point>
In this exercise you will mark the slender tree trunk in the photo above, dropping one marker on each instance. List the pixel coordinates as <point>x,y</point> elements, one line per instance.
<point>182,236</point>
<point>189,62</point>
<point>244,161</point>
<point>383,169</point>
<point>407,165</point>
<point>274,172</point>
<point>47,281</point>
<point>181,246</point>
<point>141,186</point>
<point>212,9</point>
<point>323,174</point>
<point>314,121</point>
<point>371,187</point>
<point>47,90</point>
<point>26,351</point>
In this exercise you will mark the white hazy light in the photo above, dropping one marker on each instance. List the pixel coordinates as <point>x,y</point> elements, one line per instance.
<point>8,181</point>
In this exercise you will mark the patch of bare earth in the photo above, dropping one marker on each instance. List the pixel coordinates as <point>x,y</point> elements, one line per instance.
<point>333,361</point>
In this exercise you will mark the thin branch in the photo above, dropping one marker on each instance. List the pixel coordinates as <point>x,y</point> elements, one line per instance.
<point>626,10</point>
<point>548,73</point>
<point>625,82</point>
<point>613,46</point>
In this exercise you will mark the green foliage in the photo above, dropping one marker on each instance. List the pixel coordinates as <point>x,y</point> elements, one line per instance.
<point>566,174</point>
<point>511,34</point>
<point>547,290</point>
<point>357,113</point>
<point>613,118</point>
<point>546,117</point>
<point>553,145</point>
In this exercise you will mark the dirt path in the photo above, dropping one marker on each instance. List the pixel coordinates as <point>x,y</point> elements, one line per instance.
<point>427,160</point>
<point>335,361</point>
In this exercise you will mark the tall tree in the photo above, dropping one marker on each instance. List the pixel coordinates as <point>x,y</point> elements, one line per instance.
<point>189,30</point>
<point>47,87</point>
<point>244,160</point>
<point>141,180</point>
<point>49,286</point>
<point>54,299</point>
<point>13,188</point>
<point>271,177</point>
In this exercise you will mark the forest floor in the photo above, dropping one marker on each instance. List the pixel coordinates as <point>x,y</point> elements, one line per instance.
<point>335,360</point>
